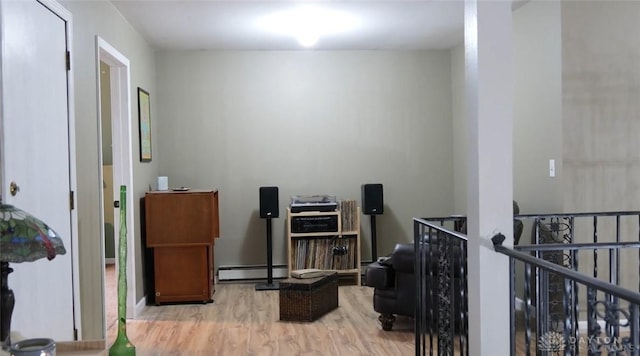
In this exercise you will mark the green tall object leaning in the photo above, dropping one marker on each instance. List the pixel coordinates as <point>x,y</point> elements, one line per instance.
<point>122,346</point>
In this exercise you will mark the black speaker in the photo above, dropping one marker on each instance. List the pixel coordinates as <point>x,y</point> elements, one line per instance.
<point>372,202</point>
<point>269,202</point>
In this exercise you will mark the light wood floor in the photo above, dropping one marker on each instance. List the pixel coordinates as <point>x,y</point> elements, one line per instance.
<point>243,321</point>
<point>111,295</point>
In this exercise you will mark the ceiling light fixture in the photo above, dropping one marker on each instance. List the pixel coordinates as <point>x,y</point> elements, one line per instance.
<point>308,23</point>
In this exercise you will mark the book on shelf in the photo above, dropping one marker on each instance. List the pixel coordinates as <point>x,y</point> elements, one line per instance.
<point>308,273</point>
<point>349,214</point>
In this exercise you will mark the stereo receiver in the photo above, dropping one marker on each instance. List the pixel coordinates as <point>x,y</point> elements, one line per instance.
<point>316,223</point>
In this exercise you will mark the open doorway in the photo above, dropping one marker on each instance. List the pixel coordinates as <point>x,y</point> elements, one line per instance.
<point>110,300</point>
<point>115,170</point>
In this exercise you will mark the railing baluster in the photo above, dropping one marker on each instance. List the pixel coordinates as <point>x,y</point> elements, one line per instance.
<point>566,306</point>
<point>543,303</point>
<point>634,328</point>
<point>576,307</point>
<point>617,264</point>
<point>538,292</point>
<point>428,282</point>
<point>512,304</point>
<point>616,276</point>
<point>595,275</point>
<point>527,308</point>
<point>443,297</point>
<point>595,252</point>
<point>613,329</point>
<point>592,321</point>
<point>431,245</point>
<point>575,302</point>
<point>462,281</point>
<point>417,232</point>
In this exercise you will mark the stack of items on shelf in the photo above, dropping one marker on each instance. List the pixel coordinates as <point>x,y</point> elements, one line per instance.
<point>300,203</point>
<point>349,214</point>
<point>332,253</point>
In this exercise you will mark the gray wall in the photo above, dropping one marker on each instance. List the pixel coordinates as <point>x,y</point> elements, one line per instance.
<point>537,111</point>
<point>91,18</point>
<point>537,115</point>
<point>460,133</point>
<point>310,122</point>
<point>105,97</point>
<point>601,116</point>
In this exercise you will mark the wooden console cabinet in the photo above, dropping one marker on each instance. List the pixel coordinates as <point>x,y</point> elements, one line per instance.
<point>181,228</point>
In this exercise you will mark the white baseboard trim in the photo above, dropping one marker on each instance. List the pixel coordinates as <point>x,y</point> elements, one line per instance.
<point>139,307</point>
<point>519,304</point>
<point>239,273</point>
<point>583,325</point>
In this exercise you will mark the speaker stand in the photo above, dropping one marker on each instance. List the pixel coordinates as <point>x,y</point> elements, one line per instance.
<point>270,285</point>
<point>374,247</point>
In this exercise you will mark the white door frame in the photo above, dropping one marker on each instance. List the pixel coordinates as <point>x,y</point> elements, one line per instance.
<point>122,163</point>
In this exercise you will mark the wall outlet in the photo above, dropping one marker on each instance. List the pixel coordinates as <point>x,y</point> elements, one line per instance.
<point>552,168</point>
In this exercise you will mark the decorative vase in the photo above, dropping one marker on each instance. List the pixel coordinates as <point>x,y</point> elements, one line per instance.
<point>122,346</point>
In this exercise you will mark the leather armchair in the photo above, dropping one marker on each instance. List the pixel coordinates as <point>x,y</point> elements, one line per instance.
<point>394,281</point>
<point>394,284</point>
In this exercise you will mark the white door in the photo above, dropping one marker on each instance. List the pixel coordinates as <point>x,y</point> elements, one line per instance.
<point>35,146</point>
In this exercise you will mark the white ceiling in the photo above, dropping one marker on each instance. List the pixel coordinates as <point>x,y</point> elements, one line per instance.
<point>231,25</point>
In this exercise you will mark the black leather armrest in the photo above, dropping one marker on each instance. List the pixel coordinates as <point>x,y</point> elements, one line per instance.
<point>403,258</point>
<point>379,276</point>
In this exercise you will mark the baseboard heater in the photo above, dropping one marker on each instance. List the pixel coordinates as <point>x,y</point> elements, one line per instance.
<point>253,272</point>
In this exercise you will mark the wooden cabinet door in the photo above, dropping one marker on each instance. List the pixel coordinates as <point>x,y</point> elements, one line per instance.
<point>181,218</point>
<point>182,274</point>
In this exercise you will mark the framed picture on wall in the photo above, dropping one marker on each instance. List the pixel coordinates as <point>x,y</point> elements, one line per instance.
<point>144,122</point>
